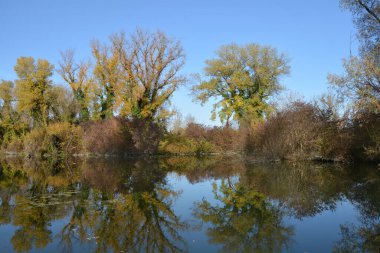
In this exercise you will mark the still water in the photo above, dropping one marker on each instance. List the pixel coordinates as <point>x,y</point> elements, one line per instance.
<point>184,204</point>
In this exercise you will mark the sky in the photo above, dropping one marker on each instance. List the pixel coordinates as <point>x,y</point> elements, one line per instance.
<point>314,34</point>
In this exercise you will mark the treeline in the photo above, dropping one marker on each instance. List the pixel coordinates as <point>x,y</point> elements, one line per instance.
<point>118,102</point>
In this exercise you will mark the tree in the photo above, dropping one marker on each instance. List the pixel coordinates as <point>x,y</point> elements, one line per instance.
<point>360,82</point>
<point>150,64</point>
<point>32,87</point>
<point>367,19</point>
<point>107,77</point>
<point>76,75</point>
<point>243,78</point>
<point>361,79</point>
<point>10,125</point>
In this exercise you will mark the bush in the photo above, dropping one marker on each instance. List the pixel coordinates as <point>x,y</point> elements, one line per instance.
<point>366,136</point>
<point>117,136</point>
<point>57,140</point>
<point>106,137</point>
<point>289,134</point>
<point>179,144</point>
<point>145,135</point>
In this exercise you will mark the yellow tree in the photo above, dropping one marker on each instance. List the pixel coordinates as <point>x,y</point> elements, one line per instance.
<point>76,75</point>
<point>150,65</point>
<point>242,79</point>
<point>10,125</point>
<point>107,76</point>
<point>32,88</point>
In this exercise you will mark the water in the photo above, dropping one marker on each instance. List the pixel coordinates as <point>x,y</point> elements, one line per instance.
<point>184,204</point>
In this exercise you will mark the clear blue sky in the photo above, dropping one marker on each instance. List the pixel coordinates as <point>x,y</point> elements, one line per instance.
<point>315,34</point>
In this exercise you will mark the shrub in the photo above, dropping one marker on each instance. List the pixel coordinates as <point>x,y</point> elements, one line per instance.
<point>56,140</point>
<point>222,138</point>
<point>145,135</point>
<point>294,133</point>
<point>366,136</point>
<point>106,137</point>
<point>121,136</point>
<point>179,144</point>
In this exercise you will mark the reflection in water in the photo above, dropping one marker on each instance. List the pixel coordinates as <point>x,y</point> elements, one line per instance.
<point>130,206</point>
<point>244,221</point>
<point>126,207</point>
<point>365,236</point>
<point>359,239</point>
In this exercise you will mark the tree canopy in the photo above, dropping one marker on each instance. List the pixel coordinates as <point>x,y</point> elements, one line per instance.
<point>242,79</point>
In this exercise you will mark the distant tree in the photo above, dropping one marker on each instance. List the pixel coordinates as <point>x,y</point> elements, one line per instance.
<point>32,88</point>
<point>189,119</point>
<point>76,75</point>
<point>150,65</point>
<point>242,79</point>
<point>177,122</point>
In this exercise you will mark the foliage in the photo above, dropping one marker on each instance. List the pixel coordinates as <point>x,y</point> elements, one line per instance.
<point>242,78</point>
<point>301,131</point>
<point>150,65</point>
<point>32,89</point>
<point>106,137</point>
<point>76,75</point>
<point>57,140</point>
<point>11,125</point>
<point>106,75</point>
<point>183,145</point>
<point>367,19</point>
<point>366,137</point>
<point>360,82</point>
<point>121,136</point>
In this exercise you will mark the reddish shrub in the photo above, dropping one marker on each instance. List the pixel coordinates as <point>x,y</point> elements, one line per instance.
<point>106,136</point>
<point>121,136</point>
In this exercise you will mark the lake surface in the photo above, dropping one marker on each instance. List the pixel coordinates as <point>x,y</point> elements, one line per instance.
<point>184,204</point>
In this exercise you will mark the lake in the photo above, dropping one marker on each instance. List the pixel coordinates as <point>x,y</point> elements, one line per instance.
<point>185,204</point>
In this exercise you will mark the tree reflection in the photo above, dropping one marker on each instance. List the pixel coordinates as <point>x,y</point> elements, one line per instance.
<point>128,205</point>
<point>131,210</point>
<point>243,220</point>
<point>359,239</point>
<point>136,222</point>
<point>363,237</point>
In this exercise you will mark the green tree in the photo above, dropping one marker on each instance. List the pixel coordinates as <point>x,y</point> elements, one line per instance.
<point>31,89</point>
<point>242,79</point>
